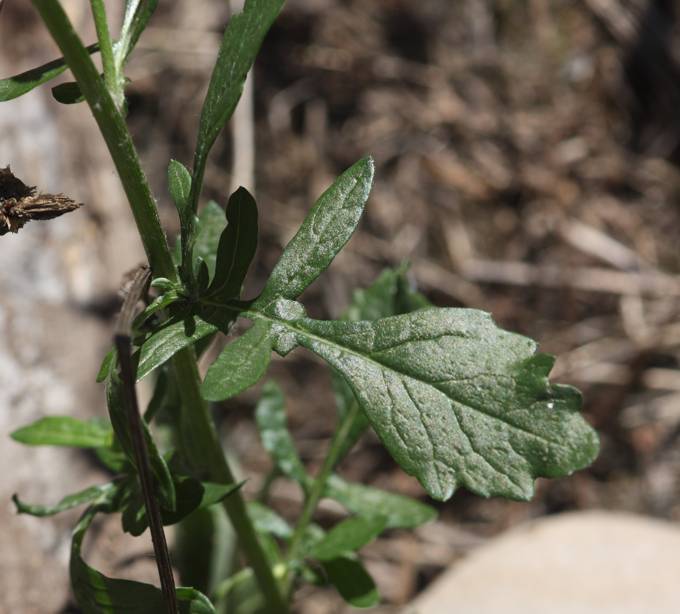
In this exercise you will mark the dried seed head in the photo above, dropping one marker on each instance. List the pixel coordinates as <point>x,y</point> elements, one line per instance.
<point>19,203</point>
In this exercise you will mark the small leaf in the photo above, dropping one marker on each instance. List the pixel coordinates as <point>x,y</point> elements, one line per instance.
<point>456,400</point>
<point>236,248</point>
<point>179,186</point>
<point>165,343</point>
<point>68,93</point>
<point>241,42</point>
<point>105,367</point>
<point>348,536</point>
<point>89,495</point>
<point>240,365</point>
<point>352,581</point>
<point>16,86</point>
<point>270,415</point>
<point>267,520</point>
<point>325,231</point>
<point>65,431</point>
<point>211,223</point>
<point>399,512</point>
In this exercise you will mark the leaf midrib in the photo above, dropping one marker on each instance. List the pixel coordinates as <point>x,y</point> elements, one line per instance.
<point>466,403</point>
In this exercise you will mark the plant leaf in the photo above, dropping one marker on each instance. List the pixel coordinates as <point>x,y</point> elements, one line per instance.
<point>165,343</point>
<point>68,93</point>
<point>89,495</point>
<point>240,365</point>
<point>241,42</point>
<point>389,295</point>
<point>211,223</point>
<point>270,416</point>
<point>348,536</point>
<point>121,427</point>
<point>399,512</point>
<point>352,581</point>
<point>18,85</point>
<point>133,28</point>
<point>325,231</point>
<point>65,431</point>
<point>236,247</point>
<point>267,520</point>
<point>456,400</point>
<point>98,594</point>
<point>179,186</point>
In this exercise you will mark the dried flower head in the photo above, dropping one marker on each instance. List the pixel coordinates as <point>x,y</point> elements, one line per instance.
<point>20,203</point>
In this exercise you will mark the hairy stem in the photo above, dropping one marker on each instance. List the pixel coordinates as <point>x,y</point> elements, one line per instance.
<point>206,451</point>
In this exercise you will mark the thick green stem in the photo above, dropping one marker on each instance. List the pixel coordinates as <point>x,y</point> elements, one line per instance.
<point>205,448</point>
<point>316,491</point>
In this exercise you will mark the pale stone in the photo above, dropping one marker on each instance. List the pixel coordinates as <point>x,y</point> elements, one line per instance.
<point>577,563</point>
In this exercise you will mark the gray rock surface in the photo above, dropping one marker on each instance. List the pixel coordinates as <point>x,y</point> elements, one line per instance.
<point>580,563</point>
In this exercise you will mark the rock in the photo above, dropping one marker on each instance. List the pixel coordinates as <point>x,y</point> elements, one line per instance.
<point>578,563</point>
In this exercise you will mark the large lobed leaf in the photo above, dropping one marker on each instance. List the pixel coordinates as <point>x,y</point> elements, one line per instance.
<point>455,399</point>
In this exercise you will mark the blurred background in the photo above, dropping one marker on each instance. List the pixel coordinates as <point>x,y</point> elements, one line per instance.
<point>526,164</point>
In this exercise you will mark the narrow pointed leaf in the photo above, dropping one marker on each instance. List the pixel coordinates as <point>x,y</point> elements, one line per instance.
<point>352,581</point>
<point>325,231</point>
<point>89,495</point>
<point>164,344</point>
<point>348,536</point>
<point>456,400</point>
<point>18,85</point>
<point>134,25</point>
<point>270,416</point>
<point>65,431</point>
<point>400,512</point>
<point>240,365</point>
<point>241,42</point>
<point>236,247</point>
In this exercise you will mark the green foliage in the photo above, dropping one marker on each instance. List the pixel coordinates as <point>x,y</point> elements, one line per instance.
<point>348,536</point>
<point>241,42</point>
<point>21,84</point>
<point>271,422</point>
<point>98,594</point>
<point>65,431</point>
<point>352,581</point>
<point>235,250</point>
<point>325,231</point>
<point>456,400</point>
<point>240,364</point>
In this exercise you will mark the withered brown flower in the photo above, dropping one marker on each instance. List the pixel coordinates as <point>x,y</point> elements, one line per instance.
<point>20,203</point>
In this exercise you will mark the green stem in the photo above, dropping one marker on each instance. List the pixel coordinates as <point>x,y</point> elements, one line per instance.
<point>106,50</point>
<point>315,492</point>
<point>206,451</point>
